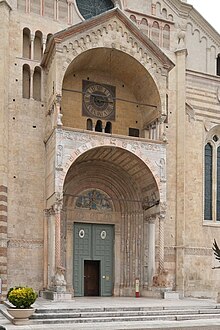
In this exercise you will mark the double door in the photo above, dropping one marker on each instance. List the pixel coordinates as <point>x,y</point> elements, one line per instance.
<point>93,259</point>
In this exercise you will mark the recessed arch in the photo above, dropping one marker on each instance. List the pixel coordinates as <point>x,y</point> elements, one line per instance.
<point>37,84</point>
<point>26,76</point>
<point>135,88</point>
<point>38,45</point>
<point>26,43</point>
<point>122,175</point>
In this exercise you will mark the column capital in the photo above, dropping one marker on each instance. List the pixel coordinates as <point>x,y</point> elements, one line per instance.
<point>57,206</point>
<point>152,218</point>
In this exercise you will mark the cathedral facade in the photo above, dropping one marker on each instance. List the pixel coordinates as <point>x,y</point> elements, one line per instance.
<point>110,147</point>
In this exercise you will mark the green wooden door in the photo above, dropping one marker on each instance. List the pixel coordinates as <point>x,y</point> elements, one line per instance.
<point>93,242</point>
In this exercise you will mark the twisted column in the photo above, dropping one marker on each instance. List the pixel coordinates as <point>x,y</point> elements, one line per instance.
<point>57,210</point>
<point>161,243</point>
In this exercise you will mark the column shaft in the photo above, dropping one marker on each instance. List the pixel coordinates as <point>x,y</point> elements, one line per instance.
<point>151,251</point>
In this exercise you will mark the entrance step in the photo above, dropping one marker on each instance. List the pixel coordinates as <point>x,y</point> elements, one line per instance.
<point>98,315</point>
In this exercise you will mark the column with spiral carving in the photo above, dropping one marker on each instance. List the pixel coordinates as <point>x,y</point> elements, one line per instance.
<point>161,243</point>
<point>57,210</point>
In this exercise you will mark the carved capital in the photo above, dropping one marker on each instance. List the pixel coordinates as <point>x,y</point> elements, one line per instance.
<point>57,207</point>
<point>151,219</point>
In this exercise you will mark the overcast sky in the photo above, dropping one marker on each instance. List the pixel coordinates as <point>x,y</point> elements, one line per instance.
<point>209,9</point>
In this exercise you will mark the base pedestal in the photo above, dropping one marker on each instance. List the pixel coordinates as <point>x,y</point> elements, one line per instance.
<point>54,295</point>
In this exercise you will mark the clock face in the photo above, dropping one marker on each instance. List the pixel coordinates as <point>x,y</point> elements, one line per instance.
<point>98,100</point>
<point>90,8</point>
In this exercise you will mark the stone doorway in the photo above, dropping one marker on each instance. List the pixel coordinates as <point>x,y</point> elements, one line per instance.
<point>93,259</point>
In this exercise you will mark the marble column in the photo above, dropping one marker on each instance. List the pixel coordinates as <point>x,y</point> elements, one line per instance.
<point>151,249</point>
<point>57,213</point>
<point>50,246</point>
<point>180,191</point>
<point>31,83</point>
<point>161,243</point>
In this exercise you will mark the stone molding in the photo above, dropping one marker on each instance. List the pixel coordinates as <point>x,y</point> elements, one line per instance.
<point>25,244</point>
<point>198,251</point>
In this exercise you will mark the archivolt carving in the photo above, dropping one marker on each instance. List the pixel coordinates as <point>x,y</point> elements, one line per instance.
<point>136,148</point>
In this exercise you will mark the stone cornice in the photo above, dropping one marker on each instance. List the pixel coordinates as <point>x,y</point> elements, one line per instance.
<point>97,21</point>
<point>5,2</point>
<point>205,26</point>
<point>185,10</point>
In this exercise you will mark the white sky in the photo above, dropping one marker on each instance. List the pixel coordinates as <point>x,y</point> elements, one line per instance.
<point>209,9</point>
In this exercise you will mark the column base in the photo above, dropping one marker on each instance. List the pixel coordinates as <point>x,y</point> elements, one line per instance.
<point>57,296</point>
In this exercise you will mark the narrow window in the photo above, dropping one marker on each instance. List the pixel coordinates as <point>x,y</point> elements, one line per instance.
<point>144,26</point>
<point>108,127</point>
<point>26,43</point>
<point>26,82</point>
<point>89,124</point>
<point>208,181</point>
<point>38,45</point>
<point>98,126</point>
<point>37,84</point>
<point>166,36</point>
<point>48,38</point>
<point>133,18</point>
<point>218,65</point>
<point>155,33</point>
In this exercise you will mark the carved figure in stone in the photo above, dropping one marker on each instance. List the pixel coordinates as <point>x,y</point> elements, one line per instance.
<point>59,155</point>
<point>59,119</point>
<point>181,39</point>
<point>59,282</point>
<point>162,279</point>
<point>162,166</point>
<point>181,36</point>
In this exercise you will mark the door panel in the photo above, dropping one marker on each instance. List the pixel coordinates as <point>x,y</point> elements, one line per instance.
<point>91,277</point>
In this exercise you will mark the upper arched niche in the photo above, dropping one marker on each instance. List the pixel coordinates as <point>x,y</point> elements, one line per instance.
<point>137,97</point>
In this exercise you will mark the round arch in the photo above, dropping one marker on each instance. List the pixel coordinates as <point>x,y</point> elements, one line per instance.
<point>126,182</point>
<point>137,94</point>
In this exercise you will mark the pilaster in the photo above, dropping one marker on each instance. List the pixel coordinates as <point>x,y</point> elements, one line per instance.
<point>4,83</point>
<point>180,165</point>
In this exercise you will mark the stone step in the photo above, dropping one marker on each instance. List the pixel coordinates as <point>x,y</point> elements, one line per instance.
<point>126,319</point>
<point>117,313</point>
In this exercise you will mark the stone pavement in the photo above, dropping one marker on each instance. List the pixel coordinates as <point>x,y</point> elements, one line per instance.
<point>90,302</point>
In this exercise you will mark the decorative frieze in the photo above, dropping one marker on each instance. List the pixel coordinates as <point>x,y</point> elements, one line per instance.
<point>25,244</point>
<point>198,251</point>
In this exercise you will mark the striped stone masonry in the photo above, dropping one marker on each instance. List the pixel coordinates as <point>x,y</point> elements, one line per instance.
<point>3,237</point>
